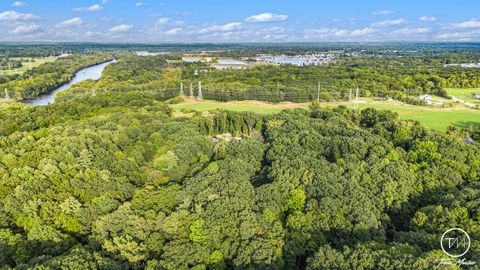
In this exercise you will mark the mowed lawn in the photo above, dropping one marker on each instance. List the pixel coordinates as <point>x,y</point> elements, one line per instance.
<point>232,106</point>
<point>465,94</point>
<point>438,119</point>
<point>26,65</point>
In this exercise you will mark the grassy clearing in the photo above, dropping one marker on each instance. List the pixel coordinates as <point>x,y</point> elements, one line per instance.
<point>435,118</point>
<point>440,120</point>
<point>252,106</point>
<point>465,94</point>
<point>26,65</point>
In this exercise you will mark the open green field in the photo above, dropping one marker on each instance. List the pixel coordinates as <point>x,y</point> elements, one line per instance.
<point>465,94</point>
<point>234,106</point>
<point>26,65</point>
<point>435,118</point>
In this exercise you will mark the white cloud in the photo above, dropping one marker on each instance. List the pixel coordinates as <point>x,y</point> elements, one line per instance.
<point>162,21</point>
<point>388,23</point>
<point>428,18</point>
<point>120,28</point>
<point>72,22</point>
<point>251,34</point>
<point>467,24</point>
<point>363,32</point>
<point>340,32</point>
<point>93,34</point>
<point>326,33</point>
<point>174,31</point>
<point>182,13</point>
<point>19,4</point>
<point>411,31</point>
<point>26,29</point>
<point>459,36</point>
<point>267,17</point>
<point>220,28</point>
<point>140,4</point>
<point>382,12</point>
<point>323,30</point>
<point>95,7</point>
<point>15,16</point>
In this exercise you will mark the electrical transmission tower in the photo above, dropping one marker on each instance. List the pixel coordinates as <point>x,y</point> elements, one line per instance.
<point>350,101</point>
<point>355,103</point>
<point>181,90</point>
<point>318,92</point>
<point>7,96</point>
<point>200,96</point>
<point>191,91</point>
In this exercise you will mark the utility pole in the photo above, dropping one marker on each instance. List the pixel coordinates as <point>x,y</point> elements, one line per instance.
<point>200,96</point>
<point>318,92</point>
<point>355,103</point>
<point>191,91</point>
<point>181,90</point>
<point>350,98</point>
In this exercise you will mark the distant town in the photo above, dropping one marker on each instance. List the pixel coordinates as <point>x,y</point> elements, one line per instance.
<point>299,60</point>
<point>464,65</point>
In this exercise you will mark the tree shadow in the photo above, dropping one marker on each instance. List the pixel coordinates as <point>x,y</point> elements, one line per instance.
<point>467,124</point>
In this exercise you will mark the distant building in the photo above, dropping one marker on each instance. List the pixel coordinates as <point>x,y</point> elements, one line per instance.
<point>469,140</point>
<point>426,98</point>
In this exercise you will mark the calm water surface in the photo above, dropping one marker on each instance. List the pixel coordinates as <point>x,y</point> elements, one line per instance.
<point>90,73</point>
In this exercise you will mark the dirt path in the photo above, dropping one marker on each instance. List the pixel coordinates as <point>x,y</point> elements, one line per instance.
<point>469,104</point>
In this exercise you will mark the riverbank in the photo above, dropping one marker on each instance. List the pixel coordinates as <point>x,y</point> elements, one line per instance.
<point>92,72</point>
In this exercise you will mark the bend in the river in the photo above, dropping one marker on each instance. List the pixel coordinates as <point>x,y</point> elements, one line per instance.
<point>89,73</point>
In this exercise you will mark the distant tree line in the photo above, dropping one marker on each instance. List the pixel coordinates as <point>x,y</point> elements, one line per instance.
<point>400,78</point>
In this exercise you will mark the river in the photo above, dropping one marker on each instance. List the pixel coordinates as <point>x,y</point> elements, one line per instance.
<point>89,73</point>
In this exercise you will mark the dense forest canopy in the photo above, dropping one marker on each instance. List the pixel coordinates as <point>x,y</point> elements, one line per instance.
<point>114,181</point>
<point>108,177</point>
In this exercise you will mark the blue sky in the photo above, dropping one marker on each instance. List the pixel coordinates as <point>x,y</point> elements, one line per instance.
<point>239,21</point>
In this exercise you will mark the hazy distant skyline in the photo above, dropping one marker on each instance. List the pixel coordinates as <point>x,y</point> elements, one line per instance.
<point>239,21</point>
